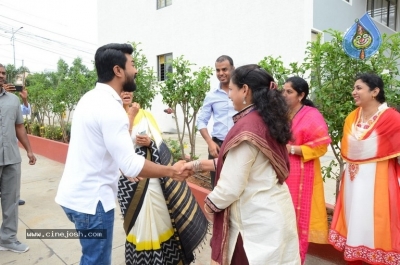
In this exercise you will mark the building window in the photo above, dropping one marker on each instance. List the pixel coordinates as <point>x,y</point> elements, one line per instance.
<point>383,11</point>
<point>314,35</point>
<point>164,66</point>
<point>163,3</point>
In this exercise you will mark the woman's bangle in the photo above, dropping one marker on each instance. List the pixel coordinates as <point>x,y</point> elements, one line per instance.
<point>197,167</point>
<point>205,209</point>
<point>292,151</point>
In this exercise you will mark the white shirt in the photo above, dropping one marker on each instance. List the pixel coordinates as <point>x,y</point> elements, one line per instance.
<point>100,145</point>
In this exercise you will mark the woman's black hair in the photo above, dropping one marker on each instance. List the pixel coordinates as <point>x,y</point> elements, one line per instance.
<point>268,102</point>
<point>301,86</point>
<point>373,81</point>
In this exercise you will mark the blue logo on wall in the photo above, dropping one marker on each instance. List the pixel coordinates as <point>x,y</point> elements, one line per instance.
<point>363,39</point>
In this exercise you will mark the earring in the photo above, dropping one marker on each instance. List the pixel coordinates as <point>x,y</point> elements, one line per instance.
<point>373,97</point>
<point>244,101</point>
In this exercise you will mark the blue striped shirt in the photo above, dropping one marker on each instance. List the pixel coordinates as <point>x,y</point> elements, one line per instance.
<point>218,105</point>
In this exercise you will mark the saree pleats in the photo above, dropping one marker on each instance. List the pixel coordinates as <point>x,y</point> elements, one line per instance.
<point>162,220</point>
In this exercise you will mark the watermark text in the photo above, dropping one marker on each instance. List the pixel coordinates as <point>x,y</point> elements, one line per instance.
<point>66,234</point>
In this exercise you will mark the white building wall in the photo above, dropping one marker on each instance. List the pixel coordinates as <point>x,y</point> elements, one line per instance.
<point>203,30</point>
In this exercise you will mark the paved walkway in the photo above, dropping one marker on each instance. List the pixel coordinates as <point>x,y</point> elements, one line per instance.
<point>39,186</point>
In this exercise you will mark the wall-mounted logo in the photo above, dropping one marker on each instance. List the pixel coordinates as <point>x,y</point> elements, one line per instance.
<point>363,39</point>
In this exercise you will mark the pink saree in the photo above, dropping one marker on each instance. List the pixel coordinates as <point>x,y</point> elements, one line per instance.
<point>309,129</point>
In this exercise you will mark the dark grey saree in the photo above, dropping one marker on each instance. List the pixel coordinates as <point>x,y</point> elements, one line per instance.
<point>188,221</point>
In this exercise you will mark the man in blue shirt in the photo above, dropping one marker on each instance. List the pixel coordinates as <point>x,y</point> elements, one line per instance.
<point>218,105</point>
<point>25,106</point>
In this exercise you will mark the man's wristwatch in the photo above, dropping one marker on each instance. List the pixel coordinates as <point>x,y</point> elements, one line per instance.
<point>292,149</point>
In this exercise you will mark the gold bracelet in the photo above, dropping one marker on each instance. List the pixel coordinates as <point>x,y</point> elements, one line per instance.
<point>205,209</point>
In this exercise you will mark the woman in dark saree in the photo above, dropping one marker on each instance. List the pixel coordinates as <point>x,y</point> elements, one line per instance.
<point>162,220</point>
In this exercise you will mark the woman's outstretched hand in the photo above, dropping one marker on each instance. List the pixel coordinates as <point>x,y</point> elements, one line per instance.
<point>181,173</point>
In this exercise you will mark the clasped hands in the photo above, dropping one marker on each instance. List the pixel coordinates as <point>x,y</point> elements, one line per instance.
<point>181,170</point>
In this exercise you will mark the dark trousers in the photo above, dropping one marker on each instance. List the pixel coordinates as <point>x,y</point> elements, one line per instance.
<point>10,179</point>
<point>212,173</point>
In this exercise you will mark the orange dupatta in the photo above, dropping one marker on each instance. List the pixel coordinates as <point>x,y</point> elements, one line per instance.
<point>380,143</point>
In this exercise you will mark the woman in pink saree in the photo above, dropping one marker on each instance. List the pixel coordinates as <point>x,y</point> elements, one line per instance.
<point>310,141</point>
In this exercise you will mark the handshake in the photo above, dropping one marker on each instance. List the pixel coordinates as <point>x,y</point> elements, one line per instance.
<point>183,169</point>
<point>180,171</point>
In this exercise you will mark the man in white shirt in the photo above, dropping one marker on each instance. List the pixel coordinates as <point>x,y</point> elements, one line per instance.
<point>100,146</point>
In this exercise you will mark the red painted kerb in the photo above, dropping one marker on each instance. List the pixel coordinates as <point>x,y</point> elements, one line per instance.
<point>57,151</point>
<point>50,149</point>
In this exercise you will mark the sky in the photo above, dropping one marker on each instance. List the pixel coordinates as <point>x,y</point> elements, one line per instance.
<point>52,30</point>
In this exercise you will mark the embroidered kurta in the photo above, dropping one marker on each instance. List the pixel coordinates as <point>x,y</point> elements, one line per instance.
<point>366,221</point>
<point>260,208</point>
<point>251,198</point>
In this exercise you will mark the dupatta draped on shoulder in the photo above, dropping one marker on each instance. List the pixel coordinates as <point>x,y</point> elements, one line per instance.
<point>309,128</point>
<point>253,129</point>
<point>379,142</point>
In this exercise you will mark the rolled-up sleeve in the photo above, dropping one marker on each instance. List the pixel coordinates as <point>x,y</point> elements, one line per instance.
<point>234,176</point>
<point>205,113</point>
<point>26,110</point>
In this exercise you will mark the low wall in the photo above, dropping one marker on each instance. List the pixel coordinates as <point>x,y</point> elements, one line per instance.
<point>53,150</point>
<point>57,151</point>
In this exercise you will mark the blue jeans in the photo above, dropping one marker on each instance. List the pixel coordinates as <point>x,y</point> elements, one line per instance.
<point>94,251</point>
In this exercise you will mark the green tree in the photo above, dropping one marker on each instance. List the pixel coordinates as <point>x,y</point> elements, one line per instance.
<point>194,101</point>
<point>187,90</point>
<point>39,87</point>
<point>13,73</point>
<point>279,72</point>
<point>146,79</point>
<point>331,73</point>
<point>332,78</point>
<point>72,84</point>
<point>54,95</point>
